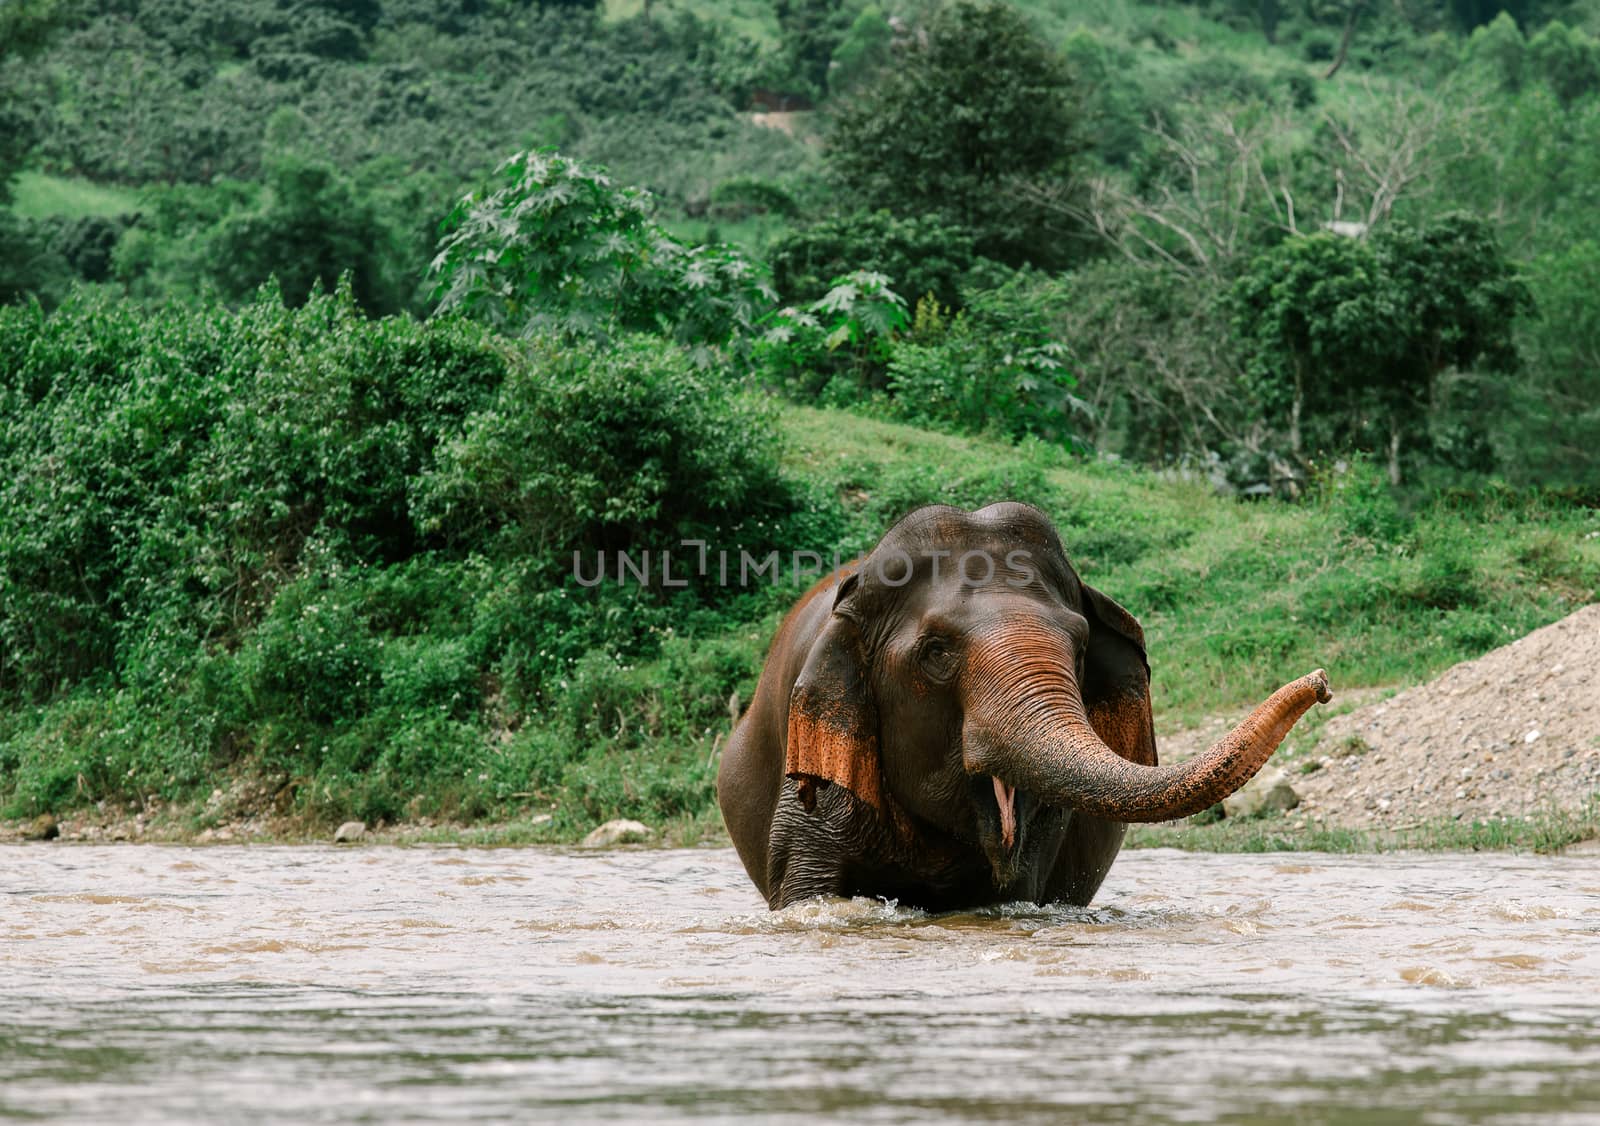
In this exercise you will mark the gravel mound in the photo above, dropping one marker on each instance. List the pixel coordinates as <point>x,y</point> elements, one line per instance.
<point>1515,732</point>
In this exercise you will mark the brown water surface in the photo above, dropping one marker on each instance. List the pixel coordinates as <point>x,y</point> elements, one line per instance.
<point>383,984</point>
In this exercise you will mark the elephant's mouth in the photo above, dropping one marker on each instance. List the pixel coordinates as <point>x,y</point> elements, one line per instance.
<point>1002,816</point>
<point>1005,798</point>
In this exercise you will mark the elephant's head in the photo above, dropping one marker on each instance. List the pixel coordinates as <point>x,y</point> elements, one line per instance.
<point>969,681</point>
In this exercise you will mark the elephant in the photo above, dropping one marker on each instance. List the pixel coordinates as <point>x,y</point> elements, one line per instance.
<point>957,720</point>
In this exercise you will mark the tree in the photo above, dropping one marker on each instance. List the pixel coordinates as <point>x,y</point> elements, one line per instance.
<point>1472,14</point>
<point>314,227</point>
<point>1310,317</point>
<point>864,48</point>
<point>1220,187</point>
<point>1352,335</point>
<point>809,32</point>
<point>1553,435</point>
<point>28,266</point>
<point>1499,47</point>
<point>1156,365</point>
<point>973,106</point>
<point>1567,58</point>
<point>25,27</point>
<point>1350,12</point>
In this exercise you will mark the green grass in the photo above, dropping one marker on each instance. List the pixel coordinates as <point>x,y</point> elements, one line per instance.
<point>38,195</point>
<point>1543,833</point>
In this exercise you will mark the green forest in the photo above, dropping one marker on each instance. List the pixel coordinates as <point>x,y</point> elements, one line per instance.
<point>333,332</point>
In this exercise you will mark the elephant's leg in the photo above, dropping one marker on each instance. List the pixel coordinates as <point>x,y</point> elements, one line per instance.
<point>810,850</point>
<point>1088,847</point>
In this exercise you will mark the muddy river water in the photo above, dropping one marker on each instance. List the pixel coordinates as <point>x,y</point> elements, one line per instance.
<point>304,984</point>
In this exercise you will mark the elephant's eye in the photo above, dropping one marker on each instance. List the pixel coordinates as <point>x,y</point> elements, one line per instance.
<point>937,658</point>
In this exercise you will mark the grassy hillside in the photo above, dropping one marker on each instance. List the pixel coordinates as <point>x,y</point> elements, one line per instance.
<point>1235,598</point>
<point>266,550</point>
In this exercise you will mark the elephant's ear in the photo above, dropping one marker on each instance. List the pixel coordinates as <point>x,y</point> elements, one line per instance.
<point>1116,681</point>
<point>833,719</point>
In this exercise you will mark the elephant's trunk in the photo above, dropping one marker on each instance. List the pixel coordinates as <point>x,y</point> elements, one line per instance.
<point>1026,725</point>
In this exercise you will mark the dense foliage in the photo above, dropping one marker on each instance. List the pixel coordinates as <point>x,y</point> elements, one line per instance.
<point>1354,336</point>
<point>313,540</point>
<point>1146,163</point>
<point>970,112</point>
<point>331,535</point>
<point>556,247</point>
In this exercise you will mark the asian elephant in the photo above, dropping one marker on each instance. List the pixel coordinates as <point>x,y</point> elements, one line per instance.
<point>958,720</point>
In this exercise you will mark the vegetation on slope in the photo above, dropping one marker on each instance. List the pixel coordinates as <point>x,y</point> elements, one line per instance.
<point>1334,256</point>
<point>337,554</point>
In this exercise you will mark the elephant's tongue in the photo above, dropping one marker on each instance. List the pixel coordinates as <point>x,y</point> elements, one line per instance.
<point>1006,797</point>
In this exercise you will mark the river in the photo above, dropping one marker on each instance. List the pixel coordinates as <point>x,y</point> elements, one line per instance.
<point>307,984</point>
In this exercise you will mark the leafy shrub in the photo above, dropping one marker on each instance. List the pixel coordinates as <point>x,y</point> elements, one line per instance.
<point>341,550</point>
<point>846,335</point>
<point>589,448</point>
<point>993,367</point>
<point>917,254</point>
<point>178,464</point>
<point>311,656</point>
<point>554,246</point>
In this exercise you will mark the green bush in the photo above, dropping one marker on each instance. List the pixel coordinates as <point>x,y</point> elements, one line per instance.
<point>837,345</point>
<point>554,246</point>
<point>589,448</point>
<point>917,254</point>
<point>994,367</point>
<point>171,469</point>
<point>340,551</point>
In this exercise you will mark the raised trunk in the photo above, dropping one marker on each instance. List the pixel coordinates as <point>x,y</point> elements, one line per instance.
<point>1042,743</point>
